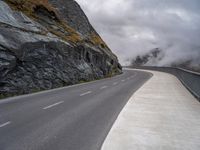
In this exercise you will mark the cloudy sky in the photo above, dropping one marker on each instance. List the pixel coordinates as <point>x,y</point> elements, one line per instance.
<point>132,27</point>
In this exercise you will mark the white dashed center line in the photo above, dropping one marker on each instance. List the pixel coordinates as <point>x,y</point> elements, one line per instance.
<point>5,124</point>
<point>103,87</point>
<point>53,105</point>
<point>123,80</point>
<point>86,93</point>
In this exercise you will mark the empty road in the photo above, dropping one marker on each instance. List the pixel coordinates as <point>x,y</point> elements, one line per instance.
<point>71,118</point>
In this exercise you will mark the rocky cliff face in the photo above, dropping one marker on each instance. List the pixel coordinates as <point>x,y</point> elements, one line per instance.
<point>46,44</point>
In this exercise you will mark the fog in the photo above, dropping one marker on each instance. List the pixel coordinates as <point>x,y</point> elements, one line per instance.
<point>134,27</point>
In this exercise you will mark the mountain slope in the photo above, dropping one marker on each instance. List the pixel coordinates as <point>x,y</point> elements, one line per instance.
<point>48,44</point>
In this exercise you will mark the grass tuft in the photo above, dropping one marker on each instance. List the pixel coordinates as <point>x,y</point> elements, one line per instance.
<point>29,7</point>
<point>97,40</point>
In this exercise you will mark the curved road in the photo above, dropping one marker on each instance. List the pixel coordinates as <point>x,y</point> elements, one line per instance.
<point>71,118</point>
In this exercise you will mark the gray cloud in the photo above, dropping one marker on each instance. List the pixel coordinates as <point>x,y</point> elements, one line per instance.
<point>132,27</point>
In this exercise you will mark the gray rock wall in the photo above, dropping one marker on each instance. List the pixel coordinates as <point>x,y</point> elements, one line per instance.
<point>72,13</point>
<point>34,59</point>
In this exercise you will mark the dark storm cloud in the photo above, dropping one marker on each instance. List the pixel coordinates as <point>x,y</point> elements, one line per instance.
<point>132,27</point>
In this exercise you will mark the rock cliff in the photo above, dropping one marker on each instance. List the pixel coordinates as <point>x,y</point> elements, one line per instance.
<point>46,44</point>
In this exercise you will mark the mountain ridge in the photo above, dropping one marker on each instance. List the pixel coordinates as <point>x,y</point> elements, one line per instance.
<point>155,56</point>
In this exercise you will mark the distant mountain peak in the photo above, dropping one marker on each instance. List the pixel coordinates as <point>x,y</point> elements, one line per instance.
<point>156,56</point>
<point>151,58</point>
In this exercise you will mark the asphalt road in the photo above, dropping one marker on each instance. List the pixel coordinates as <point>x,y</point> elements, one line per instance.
<point>71,118</point>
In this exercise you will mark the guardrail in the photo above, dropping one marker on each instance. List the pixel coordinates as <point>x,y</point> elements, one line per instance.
<point>190,79</point>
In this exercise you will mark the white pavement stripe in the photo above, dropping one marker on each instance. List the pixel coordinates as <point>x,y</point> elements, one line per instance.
<point>86,93</point>
<point>122,80</point>
<point>103,87</point>
<point>53,105</point>
<point>49,91</point>
<point>5,124</point>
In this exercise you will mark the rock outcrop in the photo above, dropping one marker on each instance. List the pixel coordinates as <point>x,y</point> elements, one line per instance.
<point>46,44</point>
<point>151,58</point>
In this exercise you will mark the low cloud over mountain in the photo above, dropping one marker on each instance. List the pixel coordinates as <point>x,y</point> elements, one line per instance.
<point>134,27</point>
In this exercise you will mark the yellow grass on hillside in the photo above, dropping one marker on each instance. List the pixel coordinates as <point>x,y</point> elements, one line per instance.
<point>28,7</point>
<point>97,40</point>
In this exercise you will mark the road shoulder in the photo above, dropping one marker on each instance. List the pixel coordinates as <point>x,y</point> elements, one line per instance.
<point>162,114</point>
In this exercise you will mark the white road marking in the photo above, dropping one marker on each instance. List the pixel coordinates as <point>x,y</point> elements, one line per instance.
<point>53,105</point>
<point>103,87</point>
<point>5,124</point>
<point>115,83</point>
<point>86,93</point>
<point>123,80</point>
